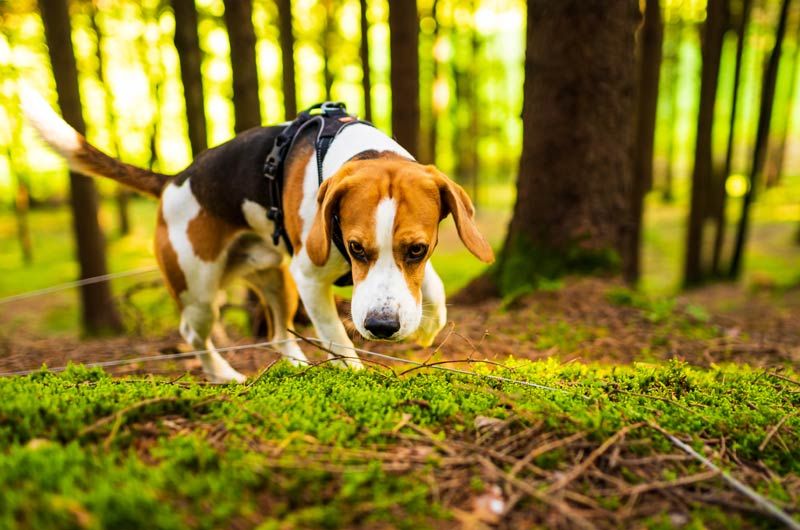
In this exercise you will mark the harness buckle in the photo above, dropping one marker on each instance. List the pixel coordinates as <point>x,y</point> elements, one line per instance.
<point>271,168</point>
<point>332,108</point>
<point>274,214</point>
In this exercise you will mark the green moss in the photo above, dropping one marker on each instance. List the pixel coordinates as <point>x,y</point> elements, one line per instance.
<point>62,467</point>
<point>523,264</point>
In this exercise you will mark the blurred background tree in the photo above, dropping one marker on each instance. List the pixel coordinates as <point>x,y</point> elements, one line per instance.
<point>702,123</point>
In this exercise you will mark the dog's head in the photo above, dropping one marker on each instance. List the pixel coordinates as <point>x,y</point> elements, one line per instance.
<point>389,210</point>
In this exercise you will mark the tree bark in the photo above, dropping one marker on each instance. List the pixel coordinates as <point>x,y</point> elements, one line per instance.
<point>155,75</point>
<point>774,168</point>
<point>242,38</point>
<point>327,49</point>
<point>575,173</point>
<point>287,57</point>
<point>721,195</point>
<point>651,37</point>
<point>187,43</point>
<point>121,195</point>
<point>672,97</point>
<point>404,42</point>
<point>247,109</point>
<point>366,78</point>
<point>762,140</point>
<point>99,314</point>
<point>433,132</point>
<point>713,33</point>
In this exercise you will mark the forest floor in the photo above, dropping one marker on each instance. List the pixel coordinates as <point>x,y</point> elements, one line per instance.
<point>147,445</point>
<point>150,445</point>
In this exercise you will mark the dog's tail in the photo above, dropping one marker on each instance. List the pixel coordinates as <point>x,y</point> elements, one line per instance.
<point>81,155</point>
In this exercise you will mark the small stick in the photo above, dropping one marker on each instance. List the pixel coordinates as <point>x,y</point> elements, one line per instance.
<point>742,488</point>
<point>578,470</point>
<point>774,430</point>
<point>555,444</point>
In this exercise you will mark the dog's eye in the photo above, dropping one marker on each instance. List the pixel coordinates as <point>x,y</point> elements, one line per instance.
<point>357,251</point>
<point>416,252</point>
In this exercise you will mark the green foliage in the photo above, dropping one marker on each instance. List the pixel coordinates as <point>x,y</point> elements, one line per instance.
<point>83,450</point>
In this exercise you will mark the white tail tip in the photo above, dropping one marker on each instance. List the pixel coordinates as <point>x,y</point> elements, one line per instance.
<point>50,126</point>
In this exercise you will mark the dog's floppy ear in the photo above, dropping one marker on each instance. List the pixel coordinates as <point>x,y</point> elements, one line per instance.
<point>318,243</point>
<point>455,201</point>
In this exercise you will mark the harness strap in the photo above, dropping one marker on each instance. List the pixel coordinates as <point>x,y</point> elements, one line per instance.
<point>331,119</point>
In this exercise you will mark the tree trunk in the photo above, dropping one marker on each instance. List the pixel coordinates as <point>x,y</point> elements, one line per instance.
<point>762,139</point>
<point>404,39</point>
<point>21,209</point>
<point>651,37</point>
<point>287,57</point>
<point>575,173</point>
<point>155,74</point>
<point>433,131</point>
<point>19,174</point>
<point>721,197</point>
<point>187,43</point>
<point>672,97</point>
<point>366,78</point>
<point>774,169</point>
<point>242,37</point>
<point>474,111</point>
<point>327,49</point>
<point>98,310</point>
<point>713,33</point>
<point>247,109</point>
<point>21,202</point>
<point>121,194</point>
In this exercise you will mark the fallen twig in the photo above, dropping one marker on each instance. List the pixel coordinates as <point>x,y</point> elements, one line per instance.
<point>742,488</point>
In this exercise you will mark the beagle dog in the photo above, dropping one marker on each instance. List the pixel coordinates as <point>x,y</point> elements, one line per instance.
<point>212,228</point>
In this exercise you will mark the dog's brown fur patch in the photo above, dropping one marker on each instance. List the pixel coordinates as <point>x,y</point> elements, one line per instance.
<point>293,190</point>
<point>209,235</point>
<point>168,260</point>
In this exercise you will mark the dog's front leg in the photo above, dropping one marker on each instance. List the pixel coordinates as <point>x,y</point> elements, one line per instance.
<point>316,292</point>
<point>434,307</point>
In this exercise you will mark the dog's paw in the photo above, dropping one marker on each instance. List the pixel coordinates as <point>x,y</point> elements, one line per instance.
<point>226,376</point>
<point>351,361</point>
<point>430,327</point>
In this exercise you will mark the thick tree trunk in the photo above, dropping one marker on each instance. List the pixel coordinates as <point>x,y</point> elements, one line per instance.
<point>98,310</point>
<point>762,139</point>
<point>247,109</point>
<point>242,38</point>
<point>121,195</point>
<point>404,42</point>
<point>721,196</point>
<point>575,172</point>
<point>187,43</point>
<point>366,78</point>
<point>713,33</point>
<point>287,57</point>
<point>651,37</point>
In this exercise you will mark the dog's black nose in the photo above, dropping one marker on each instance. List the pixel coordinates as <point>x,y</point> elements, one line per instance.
<point>381,326</point>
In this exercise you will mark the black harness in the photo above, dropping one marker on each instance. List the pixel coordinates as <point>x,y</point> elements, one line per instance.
<point>331,118</point>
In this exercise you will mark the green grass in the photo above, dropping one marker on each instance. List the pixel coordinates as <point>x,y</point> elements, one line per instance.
<point>84,450</point>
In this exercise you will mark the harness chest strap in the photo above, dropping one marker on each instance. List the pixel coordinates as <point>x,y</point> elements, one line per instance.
<point>331,120</point>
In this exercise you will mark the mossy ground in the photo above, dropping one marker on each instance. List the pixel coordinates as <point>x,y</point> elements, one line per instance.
<point>325,447</point>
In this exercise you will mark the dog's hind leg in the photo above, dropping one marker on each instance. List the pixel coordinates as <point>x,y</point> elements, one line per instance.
<point>278,294</point>
<point>197,322</point>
